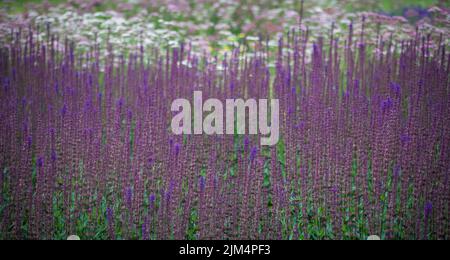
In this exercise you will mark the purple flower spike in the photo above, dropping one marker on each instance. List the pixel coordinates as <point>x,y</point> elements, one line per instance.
<point>356,84</point>
<point>145,231</point>
<point>232,86</point>
<point>202,184</point>
<point>53,156</point>
<point>177,149</point>
<point>397,171</point>
<point>130,115</point>
<point>109,215</point>
<point>334,189</point>
<point>40,162</point>
<point>386,105</point>
<point>428,209</point>
<point>404,138</point>
<point>150,162</point>
<point>29,141</point>
<point>6,84</point>
<point>246,143</point>
<point>395,88</point>
<point>291,111</point>
<point>129,196</point>
<point>152,200</point>
<point>25,127</point>
<point>52,131</point>
<point>56,88</point>
<point>253,153</point>
<point>294,91</point>
<point>64,110</point>
<point>120,103</point>
<point>300,125</point>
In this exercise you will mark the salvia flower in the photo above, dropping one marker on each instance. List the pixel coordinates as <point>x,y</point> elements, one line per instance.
<point>109,215</point>
<point>64,110</point>
<point>29,141</point>
<point>177,149</point>
<point>428,209</point>
<point>53,156</point>
<point>253,153</point>
<point>405,138</point>
<point>152,200</point>
<point>386,105</point>
<point>397,171</point>
<point>202,184</point>
<point>40,162</point>
<point>395,87</point>
<point>129,197</point>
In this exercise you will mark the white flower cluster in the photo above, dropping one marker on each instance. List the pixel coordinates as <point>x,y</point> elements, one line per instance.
<point>209,26</point>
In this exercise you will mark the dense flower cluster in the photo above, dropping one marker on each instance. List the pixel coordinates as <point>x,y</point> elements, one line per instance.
<point>85,146</point>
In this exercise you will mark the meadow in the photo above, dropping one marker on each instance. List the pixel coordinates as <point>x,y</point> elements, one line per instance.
<point>85,108</point>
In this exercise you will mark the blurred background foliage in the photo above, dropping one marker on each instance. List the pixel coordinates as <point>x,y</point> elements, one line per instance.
<point>396,7</point>
<point>217,26</point>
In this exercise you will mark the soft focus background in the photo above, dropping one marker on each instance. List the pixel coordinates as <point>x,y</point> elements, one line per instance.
<point>216,26</point>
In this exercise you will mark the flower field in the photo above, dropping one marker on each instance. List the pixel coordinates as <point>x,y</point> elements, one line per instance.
<point>85,108</point>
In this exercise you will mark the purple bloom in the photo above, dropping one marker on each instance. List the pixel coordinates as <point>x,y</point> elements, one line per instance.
<point>293,90</point>
<point>6,84</point>
<point>290,111</point>
<point>40,162</point>
<point>246,143</point>
<point>129,197</point>
<point>29,141</point>
<point>253,153</point>
<point>404,138</point>
<point>170,191</point>
<point>145,231</point>
<point>356,84</point>
<point>395,88</point>
<point>232,86</point>
<point>119,104</point>
<point>397,170</point>
<point>130,115</point>
<point>150,162</point>
<point>177,149</point>
<point>415,13</point>
<point>334,189</point>
<point>202,184</point>
<point>346,94</point>
<point>109,215</point>
<point>151,200</point>
<point>25,127</point>
<point>386,105</point>
<point>87,106</point>
<point>428,209</point>
<point>64,110</point>
<point>300,125</point>
<point>53,156</point>
<point>52,131</point>
<point>57,88</point>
